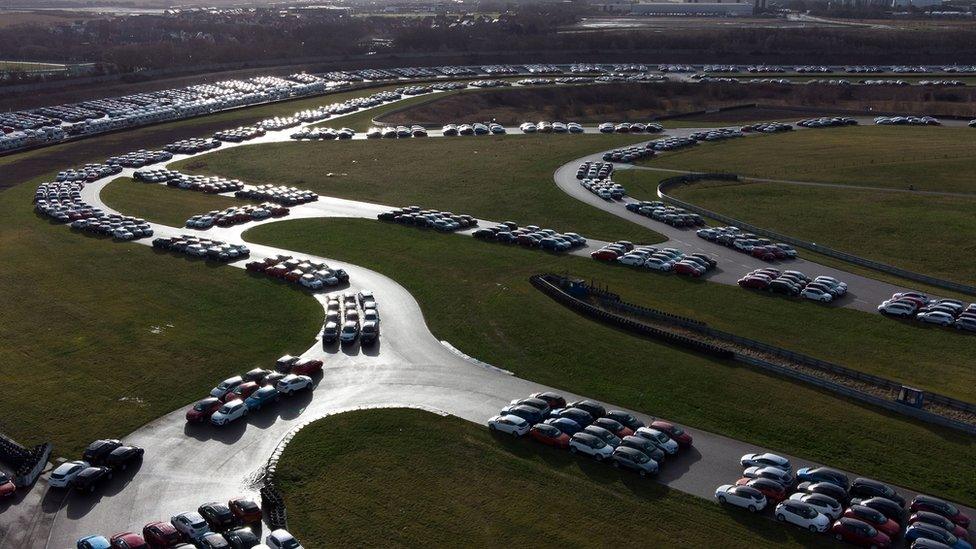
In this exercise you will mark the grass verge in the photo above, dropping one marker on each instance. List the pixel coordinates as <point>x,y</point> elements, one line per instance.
<point>476,295</point>
<point>350,467</point>
<point>499,178</point>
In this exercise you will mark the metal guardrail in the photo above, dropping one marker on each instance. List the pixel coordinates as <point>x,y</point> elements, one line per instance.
<point>670,182</point>
<point>552,285</point>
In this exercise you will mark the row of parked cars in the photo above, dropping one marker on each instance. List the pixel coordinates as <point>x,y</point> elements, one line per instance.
<point>630,127</point>
<point>236,215</point>
<point>307,273</point>
<point>941,312</point>
<point>214,525</point>
<point>350,317</point>
<point>396,132</point>
<point>550,127</point>
<point>827,122</point>
<point>209,184</point>
<point>748,243</point>
<point>671,143</point>
<point>586,427</point>
<point>606,189</point>
<point>88,173</point>
<point>719,134</point>
<point>323,134</point>
<point>234,397</point>
<point>193,145</point>
<point>862,512</point>
<point>594,170</point>
<point>119,227</point>
<point>140,158</point>
<point>415,216</point>
<point>629,154</point>
<point>203,248</point>
<point>279,194</point>
<point>794,283</point>
<point>530,236</point>
<point>665,213</point>
<point>655,259</point>
<point>906,121</point>
<point>100,460</point>
<point>767,127</point>
<point>240,134</point>
<point>454,130</point>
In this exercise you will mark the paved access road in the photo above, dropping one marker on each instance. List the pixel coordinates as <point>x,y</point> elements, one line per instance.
<point>186,466</point>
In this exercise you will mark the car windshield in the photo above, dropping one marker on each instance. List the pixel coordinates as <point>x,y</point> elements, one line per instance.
<point>808,512</point>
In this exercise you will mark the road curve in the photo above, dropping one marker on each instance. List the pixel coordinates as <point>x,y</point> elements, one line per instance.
<point>189,465</point>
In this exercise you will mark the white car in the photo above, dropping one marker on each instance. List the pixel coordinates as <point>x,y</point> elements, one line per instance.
<point>772,473</point>
<point>766,460</point>
<point>803,515</point>
<point>893,307</point>
<point>822,503</point>
<point>746,497</point>
<point>658,264</point>
<point>226,386</point>
<point>940,318</point>
<point>606,127</point>
<point>61,477</point>
<point>816,295</point>
<point>229,412</point>
<point>281,539</point>
<point>659,438</point>
<point>591,445</point>
<point>831,282</point>
<point>191,525</point>
<point>310,282</point>
<point>291,383</point>
<point>634,260</point>
<point>513,425</point>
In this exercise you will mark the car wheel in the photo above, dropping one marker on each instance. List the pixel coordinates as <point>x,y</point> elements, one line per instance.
<point>780,517</point>
<point>838,537</point>
<point>491,427</point>
<point>515,434</point>
<point>813,528</point>
<point>642,473</point>
<point>721,499</point>
<point>752,508</point>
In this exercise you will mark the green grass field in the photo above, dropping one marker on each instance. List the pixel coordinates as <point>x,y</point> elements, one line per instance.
<point>930,159</point>
<point>487,491</point>
<point>925,234</point>
<point>477,296</point>
<point>160,203</point>
<point>101,337</point>
<point>498,178</point>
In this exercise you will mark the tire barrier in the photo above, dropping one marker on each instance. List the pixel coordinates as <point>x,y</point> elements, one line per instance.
<point>550,285</point>
<point>559,288</point>
<point>667,184</point>
<point>27,464</point>
<point>273,505</point>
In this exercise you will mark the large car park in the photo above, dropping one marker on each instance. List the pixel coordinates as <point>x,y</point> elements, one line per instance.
<point>823,289</point>
<point>926,310</point>
<point>309,274</point>
<point>654,258</point>
<point>415,216</point>
<point>530,236</point>
<point>861,512</point>
<point>588,429</point>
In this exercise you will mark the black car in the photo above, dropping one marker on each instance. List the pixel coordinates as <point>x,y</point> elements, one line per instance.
<point>242,538</point>
<point>866,488</point>
<point>528,413</point>
<point>273,378</point>
<point>89,479</point>
<point>784,287</point>
<point>634,460</point>
<point>934,519</point>
<point>579,416</point>
<point>644,445</point>
<point>825,488</point>
<point>100,449</point>
<point>213,541</point>
<point>887,507</point>
<point>611,425</point>
<point>256,375</point>
<point>342,275</point>
<point>626,419</point>
<point>218,516</point>
<point>595,409</point>
<point>369,333</point>
<point>121,457</point>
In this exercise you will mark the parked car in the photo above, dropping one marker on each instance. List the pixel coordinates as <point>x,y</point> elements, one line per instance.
<point>246,510</point>
<point>590,445</point>
<point>887,507</point>
<point>93,542</point>
<point>292,383</point>
<point>624,457</point>
<point>676,433</point>
<point>823,474</point>
<point>96,452</point>
<point>121,457</point>
<point>63,475</point>
<point>218,516</point>
<point>934,533</point>
<point>242,538</point>
<point>263,396</point>
<point>774,491</point>
<point>741,496</point>
<point>229,412</point>
<point>858,532</point>
<point>161,534</point>
<point>867,488</point>
<point>766,459</point>
<point>281,539</point>
<point>226,386</point>
<point>565,425</point>
<point>87,480</point>
<point>549,435</point>
<point>803,515</point>
<point>659,438</point>
<point>825,488</point>
<point>128,540</point>
<point>936,519</point>
<point>875,518</point>
<point>192,525</point>
<point>821,502</point>
<point>511,424</point>
<point>941,507</point>
<point>626,419</point>
<point>554,400</point>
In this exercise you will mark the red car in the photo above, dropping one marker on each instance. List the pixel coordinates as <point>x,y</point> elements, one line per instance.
<point>605,255</point>
<point>552,399</point>
<point>768,272</point>
<point>128,540</point>
<point>256,266</point>
<point>764,252</point>
<point>307,367</point>
<point>614,427</point>
<point>242,391</point>
<point>940,521</point>
<point>7,486</point>
<point>683,439</point>
<point>687,269</point>
<point>246,510</point>
<point>161,535</point>
<point>940,507</point>
<point>754,282</point>
<point>858,532</point>
<point>875,518</point>
<point>773,490</point>
<point>203,409</point>
<point>549,435</point>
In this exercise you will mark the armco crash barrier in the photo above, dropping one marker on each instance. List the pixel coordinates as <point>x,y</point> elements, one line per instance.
<point>547,286</point>
<point>666,184</point>
<point>553,286</point>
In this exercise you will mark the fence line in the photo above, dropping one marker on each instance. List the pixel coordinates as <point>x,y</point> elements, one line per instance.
<point>671,182</point>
